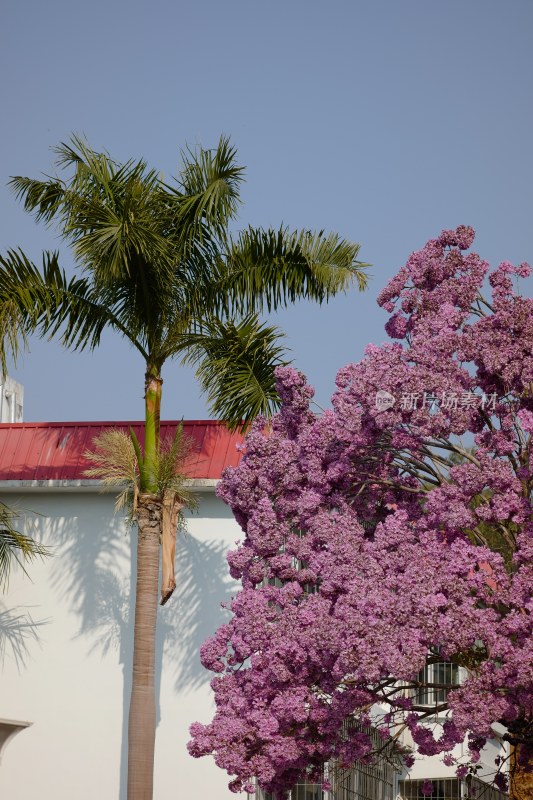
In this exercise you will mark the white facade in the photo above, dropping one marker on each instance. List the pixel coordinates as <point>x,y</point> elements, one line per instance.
<point>66,647</point>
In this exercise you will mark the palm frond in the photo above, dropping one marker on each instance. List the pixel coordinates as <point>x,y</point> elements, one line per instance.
<point>15,547</point>
<point>116,227</point>
<point>49,303</point>
<point>170,465</point>
<point>274,267</point>
<point>116,465</point>
<point>25,300</point>
<point>44,197</point>
<point>332,260</point>
<point>13,336</point>
<point>235,364</point>
<point>209,183</point>
<point>111,214</point>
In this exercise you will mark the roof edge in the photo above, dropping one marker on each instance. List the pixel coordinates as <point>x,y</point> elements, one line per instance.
<point>121,423</point>
<point>90,486</point>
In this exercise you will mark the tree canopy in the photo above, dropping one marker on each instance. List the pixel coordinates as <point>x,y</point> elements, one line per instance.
<point>391,531</point>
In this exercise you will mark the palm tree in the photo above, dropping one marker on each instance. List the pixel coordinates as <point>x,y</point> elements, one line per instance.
<point>159,266</point>
<point>15,547</point>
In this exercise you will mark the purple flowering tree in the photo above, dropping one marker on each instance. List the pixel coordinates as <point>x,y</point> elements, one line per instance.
<point>392,530</point>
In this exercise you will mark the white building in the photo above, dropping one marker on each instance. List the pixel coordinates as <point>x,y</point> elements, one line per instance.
<point>66,627</point>
<point>11,400</point>
<point>66,634</point>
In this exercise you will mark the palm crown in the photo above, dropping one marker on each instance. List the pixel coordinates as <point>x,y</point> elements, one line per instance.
<point>159,265</point>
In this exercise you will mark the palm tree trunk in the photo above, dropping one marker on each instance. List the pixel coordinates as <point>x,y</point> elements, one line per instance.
<point>142,716</point>
<point>152,427</point>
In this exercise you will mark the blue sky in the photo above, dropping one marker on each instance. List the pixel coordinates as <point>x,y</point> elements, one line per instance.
<point>385,121</point>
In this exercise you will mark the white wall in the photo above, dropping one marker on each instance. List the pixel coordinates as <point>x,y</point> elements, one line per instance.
<point>68,673</point>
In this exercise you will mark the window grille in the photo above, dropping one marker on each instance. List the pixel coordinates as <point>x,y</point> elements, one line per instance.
<point>298,565</point>
<point>307,791</point>
<point>443,789</point>
<point>442,675</point>
<point>373,781</point>
<point>360,782</point>
<point>449,789</point>
<point>485,791</point>
<point>364,782</point>
<point>302,791</point>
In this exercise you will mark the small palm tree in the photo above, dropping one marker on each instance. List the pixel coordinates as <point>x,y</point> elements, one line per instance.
<point>159,267</point>
<point>15,547</point>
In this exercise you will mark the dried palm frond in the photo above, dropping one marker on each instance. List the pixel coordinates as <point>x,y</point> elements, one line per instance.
<point>116,460</point>
<point>116,465</point>
<point>171,458</point>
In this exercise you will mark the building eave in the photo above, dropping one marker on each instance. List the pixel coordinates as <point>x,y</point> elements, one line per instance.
<point>84,485</point>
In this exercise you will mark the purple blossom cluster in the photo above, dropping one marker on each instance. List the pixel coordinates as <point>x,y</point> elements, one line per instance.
<point>374,537</point>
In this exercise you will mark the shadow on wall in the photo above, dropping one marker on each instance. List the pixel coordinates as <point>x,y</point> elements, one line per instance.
<point>194,612</point>
<point>90,570</point>
<point>18,632</point>
<point>96,556</point>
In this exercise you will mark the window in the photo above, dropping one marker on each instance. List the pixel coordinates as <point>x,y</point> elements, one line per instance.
<point>298,565</point>
<point>438,678</point>
<point>449,789</point>
<point>443,789</point>
<point>374,781</point>
<point>302,791</point>
<point>307,791</point>
<point>364,781</point>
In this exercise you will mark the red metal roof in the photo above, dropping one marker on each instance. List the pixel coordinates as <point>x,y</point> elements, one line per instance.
<point>40,451</point>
